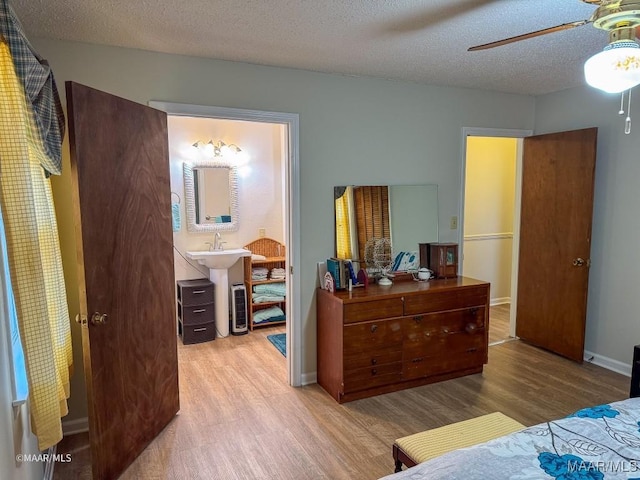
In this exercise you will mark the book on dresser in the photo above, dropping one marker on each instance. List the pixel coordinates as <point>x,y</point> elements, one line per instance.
<point>383,339</point>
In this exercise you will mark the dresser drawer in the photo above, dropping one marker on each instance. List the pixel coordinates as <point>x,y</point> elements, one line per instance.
<point>444,345</point>
<point>358,312</point>
<point>446,300</point>
<point>366,336</point>
<point>423,327</point>
<point>198,333</point>
<point>425,366</point>
<point>199,293</point>
<point>373,358</point>
<point>197,314</point>
<point>369,377</point>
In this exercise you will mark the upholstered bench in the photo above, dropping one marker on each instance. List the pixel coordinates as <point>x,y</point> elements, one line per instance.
<point>422,446</point>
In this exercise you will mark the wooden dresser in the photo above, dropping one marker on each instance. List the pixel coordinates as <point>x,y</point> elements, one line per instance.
<point>382,339</point>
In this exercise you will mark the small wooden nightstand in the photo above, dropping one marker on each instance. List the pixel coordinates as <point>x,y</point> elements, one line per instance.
<point>196,311</point>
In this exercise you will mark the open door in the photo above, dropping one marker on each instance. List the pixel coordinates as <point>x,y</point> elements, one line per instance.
<point>120,172</point>
<point>558,173</point>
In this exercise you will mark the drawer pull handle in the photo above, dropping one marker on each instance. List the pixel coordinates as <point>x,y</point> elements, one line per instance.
<point>374,371</point>
<point>195,292</point>
<point>418,318</point>
<point>200,310</point>
<point>374,361</point>
<point>445,330</point>
<point>417,360</point>
<point>200,329</point>
<point>473,310</point>
<point>374,328</point>
<point>471,350</point>
<point>471,328</point>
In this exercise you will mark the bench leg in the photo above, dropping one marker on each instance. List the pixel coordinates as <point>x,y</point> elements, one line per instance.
<point>398,466</point>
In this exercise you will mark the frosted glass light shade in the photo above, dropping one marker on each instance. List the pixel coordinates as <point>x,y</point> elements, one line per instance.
<point>615,69</point>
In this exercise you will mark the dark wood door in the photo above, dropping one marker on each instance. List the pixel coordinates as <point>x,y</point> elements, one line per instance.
<point>120,172</point>
<point>555,240</point>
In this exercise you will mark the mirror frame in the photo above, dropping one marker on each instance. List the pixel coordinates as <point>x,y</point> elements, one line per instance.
<point>190,197</point>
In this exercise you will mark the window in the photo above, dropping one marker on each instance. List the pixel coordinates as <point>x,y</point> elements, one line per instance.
<point>20,388</point>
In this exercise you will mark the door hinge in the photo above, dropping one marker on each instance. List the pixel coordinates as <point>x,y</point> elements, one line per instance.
<point>290,269</point>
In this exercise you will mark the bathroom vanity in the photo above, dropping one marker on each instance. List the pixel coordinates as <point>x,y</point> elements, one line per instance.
<point>387,338</point>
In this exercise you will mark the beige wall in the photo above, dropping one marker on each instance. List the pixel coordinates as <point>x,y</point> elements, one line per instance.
<point>488,212</point>
<point>352,131</point>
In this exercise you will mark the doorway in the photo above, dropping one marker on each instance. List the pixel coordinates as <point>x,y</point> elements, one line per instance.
<point>286,126</point>
<point>489,219</point>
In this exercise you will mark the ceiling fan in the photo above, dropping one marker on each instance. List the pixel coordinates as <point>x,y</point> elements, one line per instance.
<point>615,69</point>
<point>614,16</point>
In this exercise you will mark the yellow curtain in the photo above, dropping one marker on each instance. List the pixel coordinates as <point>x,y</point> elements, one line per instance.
<point>343,227</point>
<point>34,258</point>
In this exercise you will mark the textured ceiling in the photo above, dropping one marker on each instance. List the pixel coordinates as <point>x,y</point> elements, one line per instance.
<point>418,41</point>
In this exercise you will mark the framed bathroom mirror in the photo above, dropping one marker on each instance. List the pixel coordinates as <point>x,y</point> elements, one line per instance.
<point>407,215</point>
<point>211,196</point>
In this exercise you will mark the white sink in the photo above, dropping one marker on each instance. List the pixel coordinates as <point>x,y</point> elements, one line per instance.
<point>218,262</point>
<point>219,259</point>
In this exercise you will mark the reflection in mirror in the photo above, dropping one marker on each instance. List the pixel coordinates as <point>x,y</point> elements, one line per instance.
<point>407,215</point>
<point>211,196</point>
<point>212,199</point>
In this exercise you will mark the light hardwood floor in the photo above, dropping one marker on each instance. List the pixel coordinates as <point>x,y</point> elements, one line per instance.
<point>240,420</point>
<point>499,323</point>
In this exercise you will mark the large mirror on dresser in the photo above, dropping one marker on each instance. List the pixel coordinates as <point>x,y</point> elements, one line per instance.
<point>406,215</point>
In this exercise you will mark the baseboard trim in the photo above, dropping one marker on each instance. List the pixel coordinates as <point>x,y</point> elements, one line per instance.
<point>499,301</point>
<point>608,363</point>
<point>72,427</point>
<point>309,378</point>
<point>50,464</point>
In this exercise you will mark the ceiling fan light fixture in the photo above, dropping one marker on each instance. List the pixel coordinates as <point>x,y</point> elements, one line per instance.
<point>616,68</point>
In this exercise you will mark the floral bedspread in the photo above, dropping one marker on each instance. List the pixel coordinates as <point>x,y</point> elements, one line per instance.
<point>597,443</point>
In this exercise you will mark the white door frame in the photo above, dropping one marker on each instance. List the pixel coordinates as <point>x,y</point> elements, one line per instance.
<point>503,133</point>
<point>292,206</point>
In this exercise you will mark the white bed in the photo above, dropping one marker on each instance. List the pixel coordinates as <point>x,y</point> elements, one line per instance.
<point>597,443</point>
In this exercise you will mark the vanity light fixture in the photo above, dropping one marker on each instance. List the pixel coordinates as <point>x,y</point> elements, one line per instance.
<point>218,148</point>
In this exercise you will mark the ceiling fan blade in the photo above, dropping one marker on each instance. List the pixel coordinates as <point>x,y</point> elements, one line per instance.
<point>537,33</point>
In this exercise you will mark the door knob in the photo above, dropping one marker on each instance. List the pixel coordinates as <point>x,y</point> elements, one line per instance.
<point>578,262</point>
<point>98,318</point>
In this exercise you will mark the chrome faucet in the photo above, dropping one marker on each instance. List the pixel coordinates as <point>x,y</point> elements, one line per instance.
<point>217,242</point>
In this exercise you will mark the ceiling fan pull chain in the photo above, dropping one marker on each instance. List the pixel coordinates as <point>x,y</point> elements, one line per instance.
<point>627,122</point>
<point>621,112</point>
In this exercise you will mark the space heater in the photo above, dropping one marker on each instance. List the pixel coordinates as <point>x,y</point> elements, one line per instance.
<point>238,309</point>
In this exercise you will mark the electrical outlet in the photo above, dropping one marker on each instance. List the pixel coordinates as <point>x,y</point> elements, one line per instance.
<point>453,223</point>
<point>262,232</point>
